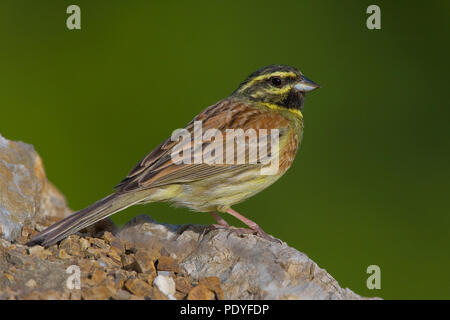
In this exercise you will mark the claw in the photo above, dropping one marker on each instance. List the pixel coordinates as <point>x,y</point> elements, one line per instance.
<point>213,227</point>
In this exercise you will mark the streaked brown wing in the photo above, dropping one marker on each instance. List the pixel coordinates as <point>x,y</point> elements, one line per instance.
<point>157,168</point>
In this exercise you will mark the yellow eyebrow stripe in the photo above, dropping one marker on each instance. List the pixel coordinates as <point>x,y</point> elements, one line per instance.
<point>267,76</point>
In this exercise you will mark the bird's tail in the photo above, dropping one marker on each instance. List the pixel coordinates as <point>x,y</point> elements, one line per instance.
<point>82,219</point>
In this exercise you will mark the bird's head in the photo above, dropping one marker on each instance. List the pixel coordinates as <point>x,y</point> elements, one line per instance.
<point>278,85</point>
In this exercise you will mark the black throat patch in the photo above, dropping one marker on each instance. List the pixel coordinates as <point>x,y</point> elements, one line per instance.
<point>294,100</point>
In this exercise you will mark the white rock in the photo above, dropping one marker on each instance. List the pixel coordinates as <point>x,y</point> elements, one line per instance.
<point>165,284</point>
<point>3,142</point>
<point>31,283</point>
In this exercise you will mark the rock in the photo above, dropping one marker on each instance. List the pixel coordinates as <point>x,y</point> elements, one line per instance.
<point>183,285</point>
<point>166,285</point>
<point>129,262</point>
<point>201,292</point>
<point>149,278</point>
<point>71,245</point>
<point>96,293</point>
<point>248,267</point>
<point>27,197</point>
<point>120,276</point>
<point>158,295</point>
<point>31,283</point>
<point>142,260</point>
<point>138,287</point>
<point>260,269</point>
<point>168,264</point>
<point>122,295</point>
<point>145,262</point>
<point>177,241</point>
<point>29,273</point>
<point>95,278</point>
<point>106,262</point>
<point>213,284</point>
<point>62,254</point>
<point>115,256</point>
<point>39,252</point>
<point>99,243</point>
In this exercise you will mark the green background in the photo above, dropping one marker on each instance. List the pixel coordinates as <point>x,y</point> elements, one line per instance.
<point>370,184</point>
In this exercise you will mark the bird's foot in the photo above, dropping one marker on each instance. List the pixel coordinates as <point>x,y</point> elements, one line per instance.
<point>241,232</point>
<point>253,227</point>
<point>214,226</point>
<point>257,232</point>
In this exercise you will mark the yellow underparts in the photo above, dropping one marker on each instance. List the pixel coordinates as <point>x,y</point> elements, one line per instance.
<point>279,108</point>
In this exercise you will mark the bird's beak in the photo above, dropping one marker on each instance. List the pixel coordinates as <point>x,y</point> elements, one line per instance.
<point>306,85</point>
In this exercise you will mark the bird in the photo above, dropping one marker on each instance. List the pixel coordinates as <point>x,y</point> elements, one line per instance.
<point>269,100</point>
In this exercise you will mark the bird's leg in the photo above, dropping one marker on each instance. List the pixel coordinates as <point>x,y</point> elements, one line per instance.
<point>253,226</point>
<point>221,222</point>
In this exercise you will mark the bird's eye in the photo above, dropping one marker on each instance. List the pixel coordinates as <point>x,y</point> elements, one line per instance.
<point>275,81</point>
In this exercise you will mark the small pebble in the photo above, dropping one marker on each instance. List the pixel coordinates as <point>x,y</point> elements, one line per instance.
<point>166,285</point>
